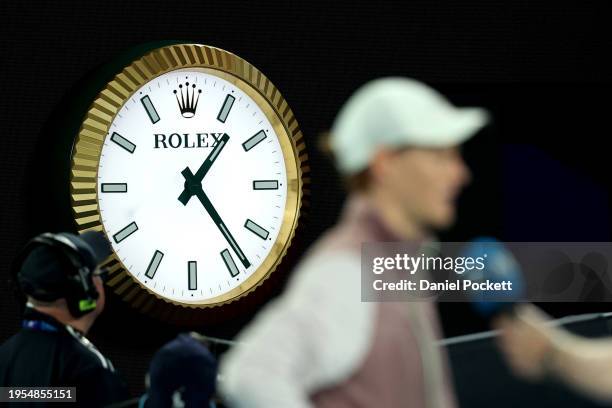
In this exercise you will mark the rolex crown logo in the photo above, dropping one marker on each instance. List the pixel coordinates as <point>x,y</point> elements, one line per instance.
<point>188,101</point>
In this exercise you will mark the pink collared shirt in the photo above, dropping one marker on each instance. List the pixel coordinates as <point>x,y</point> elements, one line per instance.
<point>319,345</point>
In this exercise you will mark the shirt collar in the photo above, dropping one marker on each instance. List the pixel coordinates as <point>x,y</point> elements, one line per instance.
<point>30,313</point>
<point>359,210</point>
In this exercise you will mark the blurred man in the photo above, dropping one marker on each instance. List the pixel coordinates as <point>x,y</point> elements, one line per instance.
<point>58,273</point>
<point>183,373</point>
<point>535,350</point>
<point>397,143</point>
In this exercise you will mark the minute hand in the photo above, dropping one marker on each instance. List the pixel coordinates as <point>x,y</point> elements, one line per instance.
<point>210,209</point>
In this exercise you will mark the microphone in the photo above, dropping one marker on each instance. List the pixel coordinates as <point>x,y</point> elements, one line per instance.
<point>500,266</point>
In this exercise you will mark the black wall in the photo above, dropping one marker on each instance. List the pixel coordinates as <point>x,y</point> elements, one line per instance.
<point>540,68</point>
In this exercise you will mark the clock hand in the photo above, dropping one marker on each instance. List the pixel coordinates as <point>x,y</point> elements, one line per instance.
<point>210,209</point>
<point>193,186</point>
<point>193,181</point>
<point>199,176</point>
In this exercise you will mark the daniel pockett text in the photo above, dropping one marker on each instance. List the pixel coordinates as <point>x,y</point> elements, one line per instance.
<point>405,263</point>
<point>485,270</point>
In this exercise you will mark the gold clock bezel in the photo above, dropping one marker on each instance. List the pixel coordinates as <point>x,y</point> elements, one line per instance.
<point>95,128</point>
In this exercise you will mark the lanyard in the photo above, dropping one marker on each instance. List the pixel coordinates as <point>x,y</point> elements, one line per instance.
<point>85,342</point>
<point>43,326</point>
<point>38,325</point>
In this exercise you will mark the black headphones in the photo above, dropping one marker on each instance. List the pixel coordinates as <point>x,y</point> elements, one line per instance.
<point>81,293</point>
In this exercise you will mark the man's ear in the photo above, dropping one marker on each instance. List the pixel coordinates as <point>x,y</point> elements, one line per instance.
<point>99,284</point>
<point>379,164</point>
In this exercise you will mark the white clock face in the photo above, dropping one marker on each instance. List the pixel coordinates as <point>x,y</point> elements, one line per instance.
<point>192,186</point>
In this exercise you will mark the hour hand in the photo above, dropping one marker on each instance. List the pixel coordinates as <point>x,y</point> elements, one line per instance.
<point>194,181</point>
<point>190,186</point>
<point>212,156</point>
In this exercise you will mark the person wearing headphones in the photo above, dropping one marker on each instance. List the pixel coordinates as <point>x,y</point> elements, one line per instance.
<point>396,141</point>
<point>60,276</point>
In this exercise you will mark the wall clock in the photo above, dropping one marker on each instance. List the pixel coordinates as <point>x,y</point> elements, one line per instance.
<point>191,162</point>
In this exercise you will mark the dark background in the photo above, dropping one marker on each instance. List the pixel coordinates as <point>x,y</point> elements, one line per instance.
<point>540,170</point>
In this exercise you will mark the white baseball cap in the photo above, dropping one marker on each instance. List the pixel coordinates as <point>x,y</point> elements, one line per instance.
<point>396,112</point>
